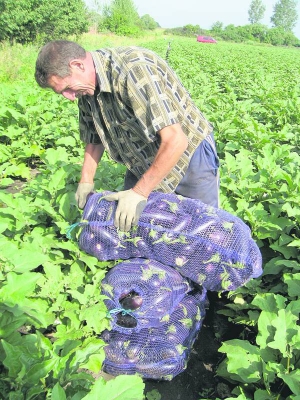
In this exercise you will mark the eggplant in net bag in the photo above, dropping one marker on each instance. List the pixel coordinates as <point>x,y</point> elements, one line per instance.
<point>210,246</point>
<point>141,294</point>
<point>158,353</point>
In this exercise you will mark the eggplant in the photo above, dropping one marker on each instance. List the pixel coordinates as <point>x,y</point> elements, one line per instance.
<point>131,301</point>
<point>126,320</point>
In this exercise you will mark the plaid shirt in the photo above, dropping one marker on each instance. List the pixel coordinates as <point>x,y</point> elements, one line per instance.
<point>138,95</point>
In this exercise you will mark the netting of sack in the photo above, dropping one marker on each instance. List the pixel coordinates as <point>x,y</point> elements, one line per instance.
<point>158,353</point>
<point>210,246</point>
<point>141,293</point>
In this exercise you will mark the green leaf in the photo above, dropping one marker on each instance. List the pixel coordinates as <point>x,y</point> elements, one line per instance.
<point>57,181</point>
<point>40,370</point>
<point>265,329</point>
<point>269,302</point>
<point>17,287</point>
<point>6,182</point>
<point>67,206</point>
<point>262,395</point>
<point>121,388</point>
<point>94,362</point>
<point>12,360</point>
<point>95,317</point>
<point>276,265</point>
<point>292,380</point>
<point>3,226</point>
<point>295,243</point>
<point>58,393</point>
<point>244,361</point>
<point>294,307</point>
<point>55,156</point>
<point>90,346</point>
<point>293,283</point>
<point>286,329</point>
<point>24,258</point>
<point>31,394</point>
<point>9,323</point>
<point>66,141</point>
<point>153,395</point>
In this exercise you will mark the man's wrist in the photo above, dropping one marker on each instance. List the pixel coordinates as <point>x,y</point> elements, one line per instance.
<point>137,190</point>
<point>85,179</point>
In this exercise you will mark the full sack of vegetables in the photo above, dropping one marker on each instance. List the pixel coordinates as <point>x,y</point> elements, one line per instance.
<point>161,352</point>
<point>155,314</point>
<point>208,245</point>
<point>142,293</point>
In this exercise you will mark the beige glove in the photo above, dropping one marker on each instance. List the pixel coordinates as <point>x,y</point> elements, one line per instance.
<point>129,210</point>
<point>83,190</point>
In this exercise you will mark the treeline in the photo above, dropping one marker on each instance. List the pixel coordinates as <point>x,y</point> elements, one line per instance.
<point>37,21</point>
<point>31,21</point>
<point>121,17</point>
<point>276,36</point>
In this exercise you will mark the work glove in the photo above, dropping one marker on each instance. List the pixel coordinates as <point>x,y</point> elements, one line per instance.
<point>129,209</point>
<point>83,190</point>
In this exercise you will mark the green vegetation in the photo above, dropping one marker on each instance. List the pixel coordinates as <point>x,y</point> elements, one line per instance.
<point>49,289</point>
<point>36,22</point>
<point>29,21</point>
<point>256,11</point>
<point>247,33</point>
<point>285,15</point>
<point>121,17</point>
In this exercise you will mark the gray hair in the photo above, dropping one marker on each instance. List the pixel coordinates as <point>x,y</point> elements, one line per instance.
<point>54,59</point>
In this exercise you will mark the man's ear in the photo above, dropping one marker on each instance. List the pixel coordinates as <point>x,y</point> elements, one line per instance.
<point>76,64</point>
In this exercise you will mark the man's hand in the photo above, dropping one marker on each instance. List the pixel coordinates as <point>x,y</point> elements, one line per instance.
<point>83,190</point>
<point>129,210</point>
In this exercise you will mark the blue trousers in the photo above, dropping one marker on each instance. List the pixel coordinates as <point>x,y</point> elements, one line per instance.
<point>201,180</point>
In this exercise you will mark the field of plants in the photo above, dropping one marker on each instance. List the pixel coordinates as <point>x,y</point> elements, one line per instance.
<point>51,309</point>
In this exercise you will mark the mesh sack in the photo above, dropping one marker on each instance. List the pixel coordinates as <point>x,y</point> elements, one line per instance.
<point>157,353</point>
<point>141,292</point>
<point>208,245</point>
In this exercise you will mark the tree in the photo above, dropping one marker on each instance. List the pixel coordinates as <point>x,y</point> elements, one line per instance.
<point>256,11</point>
<point>28,21</point>
<point>121,17</point>
<point>147,22</point>
<point>94,19</point>
<point>285,15</point>
<point>217,27</point>
<point>191,30</point>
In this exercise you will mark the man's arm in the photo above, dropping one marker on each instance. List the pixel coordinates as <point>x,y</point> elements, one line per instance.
<point>92,156</point>
<point>132,202</point>
<point>173,144</point>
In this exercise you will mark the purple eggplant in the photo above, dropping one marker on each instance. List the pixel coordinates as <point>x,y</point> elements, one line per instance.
<point>131,301</point>
<point>126,320</point>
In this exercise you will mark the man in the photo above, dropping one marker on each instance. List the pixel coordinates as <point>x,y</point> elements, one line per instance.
<point>132,104</point>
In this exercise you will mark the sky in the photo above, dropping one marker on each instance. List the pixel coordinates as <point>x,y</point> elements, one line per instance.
<point>177,13</point>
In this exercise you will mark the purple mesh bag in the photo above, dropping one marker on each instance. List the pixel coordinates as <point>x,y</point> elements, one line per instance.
<point>157,353</point>
<point>141,293</point>
<point>207,245</point>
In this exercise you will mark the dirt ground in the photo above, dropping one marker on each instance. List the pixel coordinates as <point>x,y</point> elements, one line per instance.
<point>199,381</point>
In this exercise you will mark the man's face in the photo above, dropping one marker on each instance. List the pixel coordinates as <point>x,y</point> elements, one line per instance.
<point>73,86</point>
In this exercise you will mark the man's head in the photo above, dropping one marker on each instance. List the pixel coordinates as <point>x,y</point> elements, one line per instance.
<point>66,68</point>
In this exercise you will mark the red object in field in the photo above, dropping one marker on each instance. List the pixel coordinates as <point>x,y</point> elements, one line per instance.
<point>206,39</point>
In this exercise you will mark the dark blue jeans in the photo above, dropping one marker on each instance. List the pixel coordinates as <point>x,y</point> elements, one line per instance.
<point>201,180</point>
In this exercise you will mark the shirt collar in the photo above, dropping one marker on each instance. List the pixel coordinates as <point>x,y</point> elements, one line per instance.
<point>101,62</point>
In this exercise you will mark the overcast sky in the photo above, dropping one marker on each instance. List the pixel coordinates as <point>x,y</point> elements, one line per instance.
<point>176,13</point>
